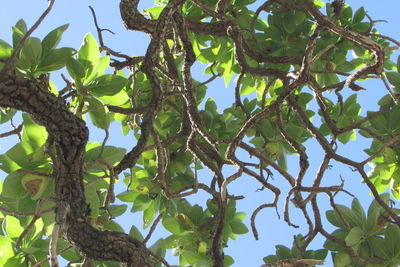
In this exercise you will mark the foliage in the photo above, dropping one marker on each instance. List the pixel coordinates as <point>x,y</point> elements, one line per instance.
<point>294,83</point>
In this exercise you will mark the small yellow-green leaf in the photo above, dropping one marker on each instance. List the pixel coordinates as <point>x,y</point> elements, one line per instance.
<point>12,227</point>
<point>5,49</point>
<point>6,248</point>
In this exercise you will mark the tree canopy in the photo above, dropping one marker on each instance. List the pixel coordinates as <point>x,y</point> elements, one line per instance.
<point>299,67</point>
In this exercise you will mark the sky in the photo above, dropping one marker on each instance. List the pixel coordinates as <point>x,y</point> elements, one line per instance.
<point>246,251</point>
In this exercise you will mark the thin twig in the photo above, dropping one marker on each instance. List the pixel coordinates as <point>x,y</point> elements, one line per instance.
<point>153,227</point>
<point>15,131</point>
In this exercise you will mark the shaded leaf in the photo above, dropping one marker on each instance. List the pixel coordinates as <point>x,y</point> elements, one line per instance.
<point>394,78</point>
<point>107,85</point>
<point>52,39</point>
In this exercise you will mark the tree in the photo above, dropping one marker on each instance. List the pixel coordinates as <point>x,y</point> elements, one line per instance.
<point>59,194</point>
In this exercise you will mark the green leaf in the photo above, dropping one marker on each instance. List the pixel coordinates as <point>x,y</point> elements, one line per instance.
<point>34,133</point>
<point>398,64</point>
<point>196,215</point>
<point>107,85</point>
<point>154,11</point>
<point>6,248</point>
<point>136,233</point>
<point>362,27</point>
<point>354,237</point>
<point>172,225</point>
<point>75,69</point>
<point>379,248</point>
<point>14,261</point>
<point>12,186</point>
<point>117,210</point>
<point>379,122</point>
<point>118,99</point>
<point>5,49</point>
<point>18,32</point>
<point>92,199</point>
<point>228,260</point>
<point>349,215</point>
<point>52,39</point>
<point>100,69</point>
<point>55,59</point>
<point>70,254</point>
<point>372,220</point>
<point>29,250</point>
<point>127,196</point>
<point>12,227</point>
<point>283,252</point>
<point>392,241</point>
<point>98,113</point>
<point>207,55</point>
<point>270,259</point>
<point>89,54</point>
<point>228,72</point>
<point>358,209</point>
<point>359,15</point>
<point>394,78</point>
<point>343,259</point>
<point>113,226</point>
<point>30,54</point>
<point>332,217</point>
<point>110,153</point>
<point>319,3</point>
<point>334,246</point>
<point>6,114</point>
<point>19,154</point>
<point>320,254</point>
<point>191,257</point>
<point>210,106</point>
<point>230,210</point>
<point>240,216</point>
<point>212,206</point>
<point>150,213</point>
<point>159,248</point>
<point>289,22</point>
<point>238,227</point>
<point>248,85</point>
<point>21,25</point>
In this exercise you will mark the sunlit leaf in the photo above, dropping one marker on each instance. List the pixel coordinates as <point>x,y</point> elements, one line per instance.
<point>12,227</point>
<point>89,54</point>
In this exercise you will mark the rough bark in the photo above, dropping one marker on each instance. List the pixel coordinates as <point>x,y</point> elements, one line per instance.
<point>67,137</point>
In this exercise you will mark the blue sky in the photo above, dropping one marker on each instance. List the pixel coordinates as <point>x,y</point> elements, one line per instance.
<point>246,251</point>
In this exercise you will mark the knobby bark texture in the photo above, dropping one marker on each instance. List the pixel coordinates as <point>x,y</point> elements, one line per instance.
<point>67,137</point>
